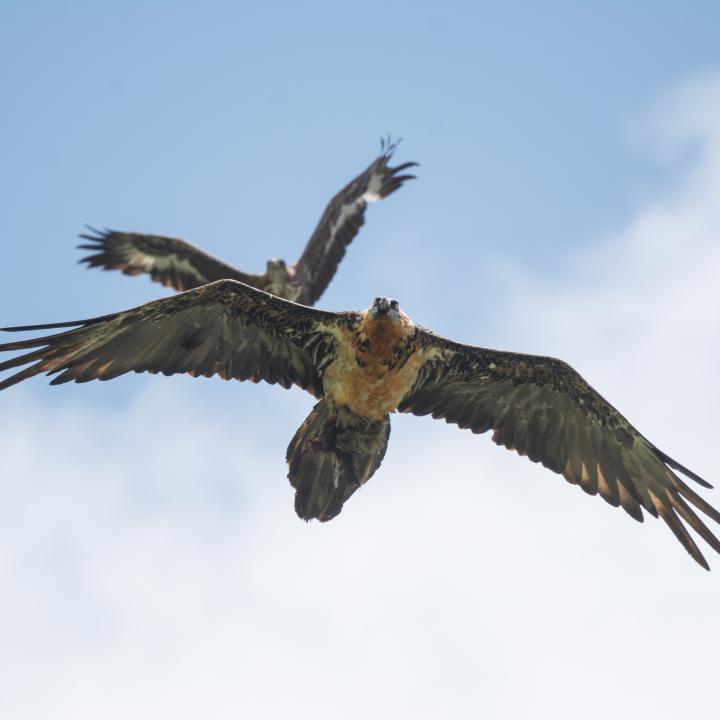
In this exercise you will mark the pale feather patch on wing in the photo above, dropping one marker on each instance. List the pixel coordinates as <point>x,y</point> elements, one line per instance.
<point>163,263</point>
<point>348,212</point>
<point>375,187</point>
<point>373,193</point>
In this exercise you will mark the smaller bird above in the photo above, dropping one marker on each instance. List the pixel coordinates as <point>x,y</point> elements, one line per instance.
<point>178,264</point>
<point>362,366</point>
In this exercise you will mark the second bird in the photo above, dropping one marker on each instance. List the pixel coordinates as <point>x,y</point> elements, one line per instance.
<point>178,264</point>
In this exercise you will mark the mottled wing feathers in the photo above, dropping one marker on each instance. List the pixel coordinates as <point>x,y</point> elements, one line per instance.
<point>170,261</point>
<point>542,408</point>
<point>341,221</point>
<point>224,328</point>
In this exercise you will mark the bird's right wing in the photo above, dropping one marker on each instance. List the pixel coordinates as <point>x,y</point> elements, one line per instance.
<point>170,261</point>
<point>341,221</point>
<point>224,328</point>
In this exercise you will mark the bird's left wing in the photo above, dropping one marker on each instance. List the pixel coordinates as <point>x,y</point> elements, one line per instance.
<point>542,408</point>
<point>170,261</point>
<point>224,328</point>
<point>341,221</point>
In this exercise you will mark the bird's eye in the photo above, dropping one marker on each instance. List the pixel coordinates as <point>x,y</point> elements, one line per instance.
<point>394,304</point>
<point>377,301</point>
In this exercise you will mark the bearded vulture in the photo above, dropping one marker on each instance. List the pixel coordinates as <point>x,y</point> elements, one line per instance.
<point>361,366</point>
<point>178,264</point>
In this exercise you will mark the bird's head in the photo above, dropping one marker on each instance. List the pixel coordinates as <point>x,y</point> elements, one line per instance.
<point>276,270</point>
<point>385,308</point>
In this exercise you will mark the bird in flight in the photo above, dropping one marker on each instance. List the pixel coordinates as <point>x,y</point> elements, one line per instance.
<point>178,264</point>
<point>362,366</point>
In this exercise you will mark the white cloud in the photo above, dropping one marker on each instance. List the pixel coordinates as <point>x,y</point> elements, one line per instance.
<point>151,564</point>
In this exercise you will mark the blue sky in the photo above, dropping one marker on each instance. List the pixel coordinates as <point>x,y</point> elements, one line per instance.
<point>566,204</point>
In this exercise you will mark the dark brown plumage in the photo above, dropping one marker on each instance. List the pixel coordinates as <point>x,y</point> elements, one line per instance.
<point>363,366</point>
<point>178,264</point>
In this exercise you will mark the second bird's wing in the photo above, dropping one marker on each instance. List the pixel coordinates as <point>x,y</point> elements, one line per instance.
<point>170,261</point>
<point>341,221</point>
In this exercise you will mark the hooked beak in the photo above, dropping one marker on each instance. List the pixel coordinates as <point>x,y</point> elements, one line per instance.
<point>382,307</point>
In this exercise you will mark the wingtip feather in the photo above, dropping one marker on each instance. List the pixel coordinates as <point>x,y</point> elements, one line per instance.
<point>675,465</point>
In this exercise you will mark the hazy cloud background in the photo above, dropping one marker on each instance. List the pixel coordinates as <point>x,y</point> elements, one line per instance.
<point>150,561</point>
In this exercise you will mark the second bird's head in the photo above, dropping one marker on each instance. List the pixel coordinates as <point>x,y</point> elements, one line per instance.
<point>385,308</point>
<point>276,270</point>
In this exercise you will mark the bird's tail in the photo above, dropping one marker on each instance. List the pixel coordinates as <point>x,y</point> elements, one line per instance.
<point>332,454</point>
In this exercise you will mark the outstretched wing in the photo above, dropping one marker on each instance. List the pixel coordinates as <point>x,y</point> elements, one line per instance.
<point>341,222</point>
<point>224,328</point>
<point>542,408</point>
<point>170,261</point>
